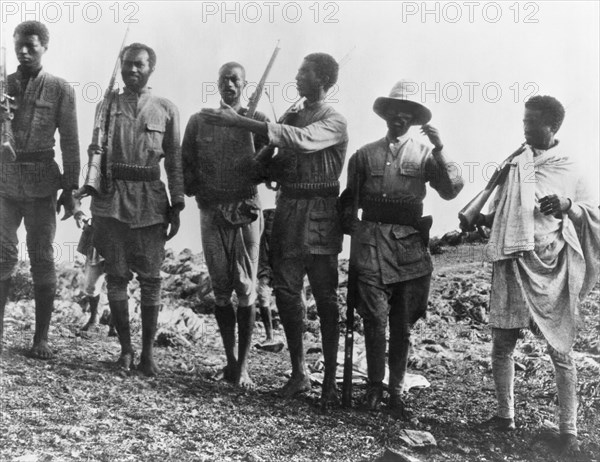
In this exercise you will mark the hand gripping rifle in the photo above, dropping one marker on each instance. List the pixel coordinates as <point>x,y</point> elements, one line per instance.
<point>469,213</point>
<point>7,115</point>
<point>255,98</point>
<point>93,179</point>
<point>351,297</point>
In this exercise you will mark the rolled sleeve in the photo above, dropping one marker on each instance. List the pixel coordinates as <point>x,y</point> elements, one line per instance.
<point>443,176</point>
<point>314,137</point>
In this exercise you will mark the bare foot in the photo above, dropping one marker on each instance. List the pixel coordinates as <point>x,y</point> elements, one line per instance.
<point>125,361</point>
<point>294,386</point>
<point>41,350</point>
<point>148,367</point>
<point>329,397</point>
<point>245,381</point>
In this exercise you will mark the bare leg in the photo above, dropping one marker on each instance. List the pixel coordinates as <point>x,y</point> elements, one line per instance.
<point>265,316</point>
<point>44,305</point>
<point>120,315</point>
<point>246,317</point>
<point>149,320</point>
<point>4,288</point>
<point>293,325</point>
<point>93,321</point>
<point>225,316</point>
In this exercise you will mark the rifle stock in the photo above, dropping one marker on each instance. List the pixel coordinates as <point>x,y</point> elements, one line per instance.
<point>7,103</point>
<point>469,213</point>
<point>97,160</point>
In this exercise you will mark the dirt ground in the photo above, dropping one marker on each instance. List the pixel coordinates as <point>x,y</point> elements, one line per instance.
<point>78,407</point>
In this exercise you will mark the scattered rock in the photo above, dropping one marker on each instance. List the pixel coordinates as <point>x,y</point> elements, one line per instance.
<point>416,438</point>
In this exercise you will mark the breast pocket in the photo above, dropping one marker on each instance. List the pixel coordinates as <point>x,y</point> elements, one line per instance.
<point>155,133</point>
<point>44,115</point>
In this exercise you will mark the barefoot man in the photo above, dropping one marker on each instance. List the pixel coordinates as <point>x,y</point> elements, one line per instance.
<point>306,236</point>
<point>29,181</point>
<point>218,171</point>
<point>131,216</point>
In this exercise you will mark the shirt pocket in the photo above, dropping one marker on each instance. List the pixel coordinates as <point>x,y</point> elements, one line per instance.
<point>155,132</point>
<point>407,245</point>
<point>323,228</point>
<point>43,117</point>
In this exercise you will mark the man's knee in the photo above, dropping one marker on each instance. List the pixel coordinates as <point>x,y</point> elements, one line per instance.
<point>116,288</point>
<point>504,342</point>
<point>289,305</point>
<point>150,291</point>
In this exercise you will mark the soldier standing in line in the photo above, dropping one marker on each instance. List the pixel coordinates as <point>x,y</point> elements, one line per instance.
<point>29,181</point>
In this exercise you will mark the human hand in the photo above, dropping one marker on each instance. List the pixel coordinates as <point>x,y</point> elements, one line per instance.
<point>174,221</point>
<point>434,136</point>
<point>554,205</point>
<point>225,116</point>
<point>66,201</point>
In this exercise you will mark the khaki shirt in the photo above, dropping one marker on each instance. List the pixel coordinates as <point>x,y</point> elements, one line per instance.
<point>143,128</point>
<point>311,150</point>
<point>45,103</point>
<point>388,253</point>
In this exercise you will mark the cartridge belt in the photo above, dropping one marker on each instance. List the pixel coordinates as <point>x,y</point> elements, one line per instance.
<point>403,211</point>
<point>130,172</point>
<point>310,190</point>
<point>40,155</point>
<point>212,196</point>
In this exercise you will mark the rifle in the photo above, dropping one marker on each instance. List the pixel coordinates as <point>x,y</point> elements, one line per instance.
<point>351,296</point>
<point>93,179</point>
<point>8,106</point>
<point>255,98</point>
<point>469,213</point>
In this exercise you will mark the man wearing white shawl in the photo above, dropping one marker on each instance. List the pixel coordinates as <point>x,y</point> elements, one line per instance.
<point>544,246</point>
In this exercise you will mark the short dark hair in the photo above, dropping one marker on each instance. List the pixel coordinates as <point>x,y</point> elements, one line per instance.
<point>34,28</point>
<point>325,66</point>
<point>140,46</point>
<point>553,112</point>
<point>232,65</point>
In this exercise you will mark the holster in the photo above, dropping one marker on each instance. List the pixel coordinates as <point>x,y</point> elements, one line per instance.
<point>424,226</point>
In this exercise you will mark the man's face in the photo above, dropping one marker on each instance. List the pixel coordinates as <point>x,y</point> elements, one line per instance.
<point>231,83</point>
<point>307,81</point>
<point>537,132</point>
<point>29,51</point>
<point>135,69</point>
<point>398,122</point>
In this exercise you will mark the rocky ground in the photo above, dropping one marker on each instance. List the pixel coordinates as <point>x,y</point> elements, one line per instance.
<point>78,407</point>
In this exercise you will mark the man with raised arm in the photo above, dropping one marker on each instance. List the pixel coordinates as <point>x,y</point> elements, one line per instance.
<point>44,104</point>
<point>306,232</point>
<point>389,243</point>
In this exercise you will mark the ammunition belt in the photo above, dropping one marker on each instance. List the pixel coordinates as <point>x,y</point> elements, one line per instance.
<point>403,211</point>
<point>130,172</point>
<point>40,155</point>
<point>213,196</point>
<point>310,190</point>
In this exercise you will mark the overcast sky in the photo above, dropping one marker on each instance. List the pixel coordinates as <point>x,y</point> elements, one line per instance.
<point>473,63</point>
